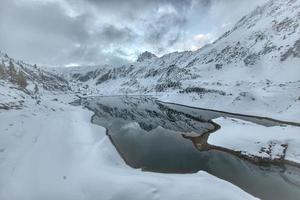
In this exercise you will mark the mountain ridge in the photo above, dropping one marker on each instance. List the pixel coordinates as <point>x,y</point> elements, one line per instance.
<point>258,37</point>
<point>254,64</point>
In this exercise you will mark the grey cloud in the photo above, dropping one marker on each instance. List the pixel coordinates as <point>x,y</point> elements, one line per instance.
<point>100,31</point>
<point>47,19</point>
<point>91,53</point>
<point>38,33</point>
<point>113,34</point>
<point>165,31</point>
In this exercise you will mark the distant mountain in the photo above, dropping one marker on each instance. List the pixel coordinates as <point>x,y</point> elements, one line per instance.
<point>254,65</point>
<point>146,56</point>
<point>264,44</point>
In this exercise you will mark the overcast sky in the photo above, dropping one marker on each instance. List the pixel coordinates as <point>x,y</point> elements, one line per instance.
<point>88,32</point>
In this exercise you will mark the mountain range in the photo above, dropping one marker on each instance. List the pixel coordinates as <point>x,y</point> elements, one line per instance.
<point>255,65</point>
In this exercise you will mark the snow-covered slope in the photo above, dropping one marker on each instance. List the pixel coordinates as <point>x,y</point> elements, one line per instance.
<point>253,68</point>
<point>20,81</point>
<point>53,151</point>
<point>255,64</point>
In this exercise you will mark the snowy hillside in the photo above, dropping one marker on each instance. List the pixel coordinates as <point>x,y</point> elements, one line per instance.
<point>20,81</point>
<point>51,148</point>
<point>65,156</point>
<point>256,64</point>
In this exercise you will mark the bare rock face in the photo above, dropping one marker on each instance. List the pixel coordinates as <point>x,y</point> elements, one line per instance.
<point>146,56</point>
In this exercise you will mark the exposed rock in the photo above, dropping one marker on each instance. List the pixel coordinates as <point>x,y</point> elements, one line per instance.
<point>292,51</point>
<point>146,56</point>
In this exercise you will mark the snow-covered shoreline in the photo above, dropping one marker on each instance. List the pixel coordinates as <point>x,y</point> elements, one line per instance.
<point>278,144</point>
<point>49,149</point>
<point>275,144</point>
<point>52,151</point>
<point>223,104</point>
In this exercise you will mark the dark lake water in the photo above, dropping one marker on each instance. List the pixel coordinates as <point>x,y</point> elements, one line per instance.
<point>155,136</point>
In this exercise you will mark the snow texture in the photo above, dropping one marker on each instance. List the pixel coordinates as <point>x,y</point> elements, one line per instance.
<point>52,151</point>
<point>253,140</point>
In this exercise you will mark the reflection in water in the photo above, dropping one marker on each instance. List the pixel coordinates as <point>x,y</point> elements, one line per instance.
<point>153,136</point>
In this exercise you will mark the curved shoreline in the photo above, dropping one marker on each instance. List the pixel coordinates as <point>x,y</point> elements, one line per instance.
<point>236,114</point>
<point>200,142</point>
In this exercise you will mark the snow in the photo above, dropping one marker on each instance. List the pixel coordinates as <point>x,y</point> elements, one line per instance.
<point>251,60</point>
<point>52,151</point>
<point>256,140</point>
<point>278,102</point>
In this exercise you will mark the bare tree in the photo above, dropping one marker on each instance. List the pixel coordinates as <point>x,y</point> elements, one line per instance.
<point>2,71</point>
<point>21,79</point>
<point>12,72</point>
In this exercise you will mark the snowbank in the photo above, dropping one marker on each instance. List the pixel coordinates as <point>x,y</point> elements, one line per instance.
<point>253,140</point>
<point>52,151</point>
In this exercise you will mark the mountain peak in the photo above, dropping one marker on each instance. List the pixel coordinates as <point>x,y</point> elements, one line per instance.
<point>145,56</point>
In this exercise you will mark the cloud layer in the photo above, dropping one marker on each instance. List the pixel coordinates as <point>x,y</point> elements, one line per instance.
<point>88,32</point>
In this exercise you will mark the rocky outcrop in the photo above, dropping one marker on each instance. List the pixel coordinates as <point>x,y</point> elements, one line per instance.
<point>146,56</point>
